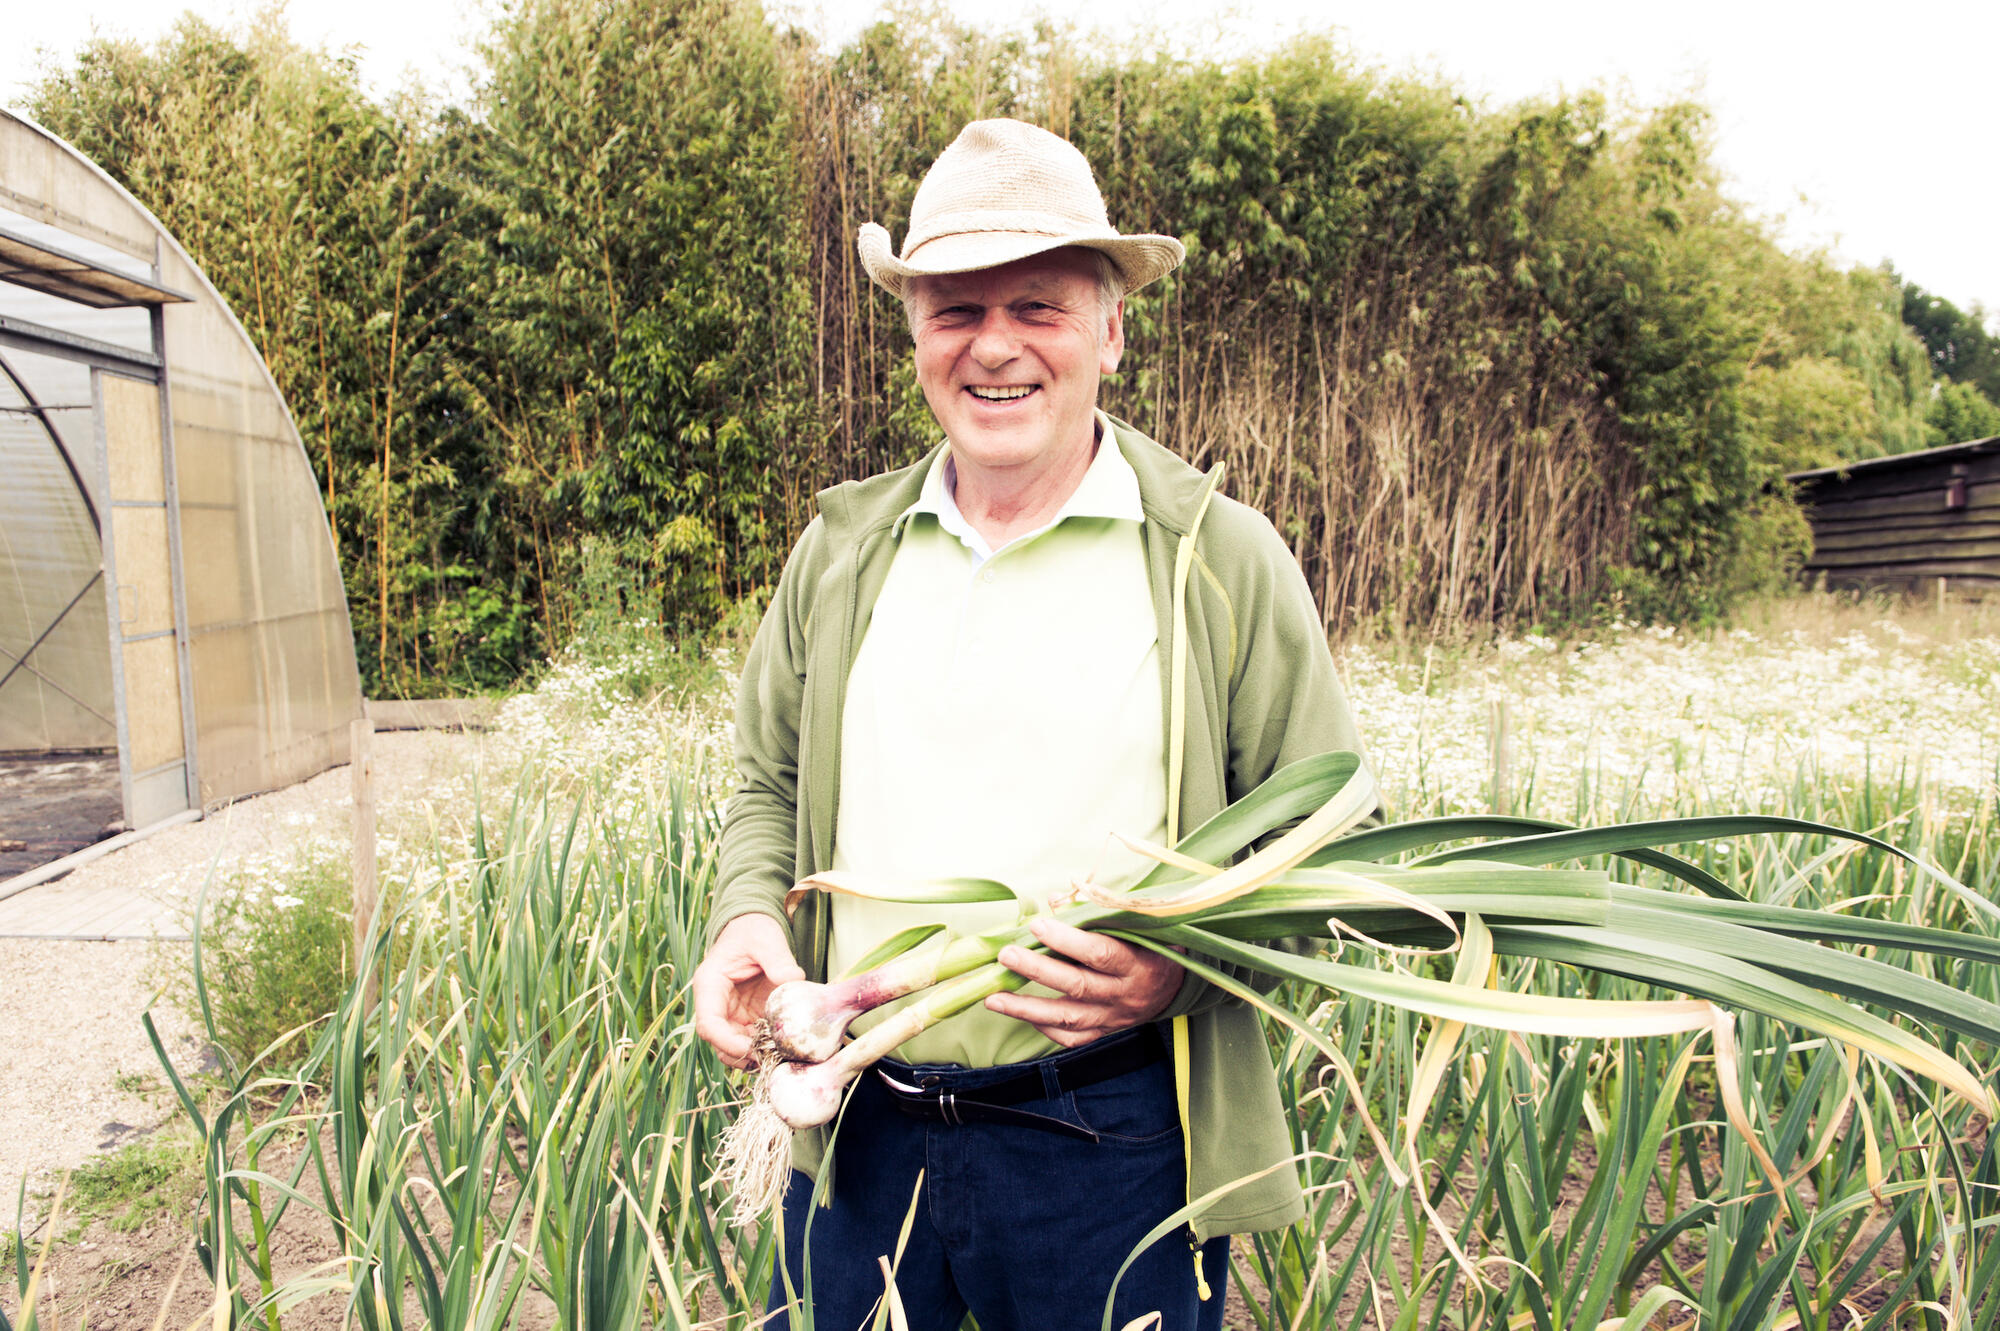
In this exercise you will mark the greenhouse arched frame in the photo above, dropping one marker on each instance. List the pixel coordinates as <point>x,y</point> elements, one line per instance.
<point>168,582</point>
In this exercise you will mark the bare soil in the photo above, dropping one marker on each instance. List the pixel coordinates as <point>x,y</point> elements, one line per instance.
<point>52,805</point>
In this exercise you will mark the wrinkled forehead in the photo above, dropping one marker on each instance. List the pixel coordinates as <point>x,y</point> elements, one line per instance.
<point>1058,272</point>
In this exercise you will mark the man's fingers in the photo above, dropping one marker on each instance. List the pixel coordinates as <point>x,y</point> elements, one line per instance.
<point>1055,973</point>
<point>749,956</point>
<point>713,992</point>
<point>779,966</point>
<point>757,944</point>
<point>732,1045</point>
<point>1066,1022</point>
<point>1093,950</point>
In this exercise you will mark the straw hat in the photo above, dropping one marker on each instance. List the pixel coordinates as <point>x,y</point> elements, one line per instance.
<point>1002,191</point>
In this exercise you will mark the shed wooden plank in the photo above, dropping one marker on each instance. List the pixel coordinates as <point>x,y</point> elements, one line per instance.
<point>1976,497</point>
<point>1971,589</point>
<point>1946,520</point>
<point>1971,552</point>
<point>1888,538</point>
<point>1912,480</point>
<point>1953,569</point>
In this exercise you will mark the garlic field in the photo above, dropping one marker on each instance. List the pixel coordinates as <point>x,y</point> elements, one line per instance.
<point>523,1132</point>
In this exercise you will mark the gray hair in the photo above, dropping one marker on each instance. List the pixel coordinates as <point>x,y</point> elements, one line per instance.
<point>1110,290</point>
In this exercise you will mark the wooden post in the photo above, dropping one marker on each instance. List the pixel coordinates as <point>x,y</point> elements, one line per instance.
<point>360,747</point>
<point>1496,724</point>
<point>1940,596</point>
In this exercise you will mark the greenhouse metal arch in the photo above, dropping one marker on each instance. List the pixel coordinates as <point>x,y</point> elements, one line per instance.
<point>168,582</point>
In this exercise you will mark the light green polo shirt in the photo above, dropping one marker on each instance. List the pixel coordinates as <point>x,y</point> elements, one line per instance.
<point>1002,720</point>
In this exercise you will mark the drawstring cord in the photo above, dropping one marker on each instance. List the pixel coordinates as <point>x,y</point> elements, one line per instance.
<point>1176,762</point>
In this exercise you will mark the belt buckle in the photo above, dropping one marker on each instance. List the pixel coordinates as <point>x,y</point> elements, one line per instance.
<point>903,1087</point>
<point>946,1101</point>
<point>928,1091</point>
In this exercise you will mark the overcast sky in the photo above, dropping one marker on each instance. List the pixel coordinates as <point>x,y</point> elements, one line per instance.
<point>1867,132</point>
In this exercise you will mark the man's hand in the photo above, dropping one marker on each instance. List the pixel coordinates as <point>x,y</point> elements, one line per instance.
<point>750,957</point>
<point>1106,985</point>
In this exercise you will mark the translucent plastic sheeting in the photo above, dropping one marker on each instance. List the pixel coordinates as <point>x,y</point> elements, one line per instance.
<point>131,329</point>
<point>54,652</point>
<point>267,615</point>
<point>45,179</point>
<point>61,388</point>
<point>278,628</point>
<point>117,260</point>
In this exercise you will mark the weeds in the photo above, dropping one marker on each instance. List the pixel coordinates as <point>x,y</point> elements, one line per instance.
<point>141,1182</point>
<point>276,941</point>
<point>138,1083</point>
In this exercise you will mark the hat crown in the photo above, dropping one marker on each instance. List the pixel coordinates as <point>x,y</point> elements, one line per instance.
<point>1005,191</point>
<point>1006,175</point>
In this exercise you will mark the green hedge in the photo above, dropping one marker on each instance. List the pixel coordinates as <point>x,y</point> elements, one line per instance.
<point>1523,364</point>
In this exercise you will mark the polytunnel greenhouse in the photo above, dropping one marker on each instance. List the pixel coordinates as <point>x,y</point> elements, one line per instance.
<point>168,584</point>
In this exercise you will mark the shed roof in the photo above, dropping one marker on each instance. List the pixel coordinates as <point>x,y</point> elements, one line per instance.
<point>1894,462</point>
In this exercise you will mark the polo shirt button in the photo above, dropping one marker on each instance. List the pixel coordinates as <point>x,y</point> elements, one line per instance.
<point>988,575</point>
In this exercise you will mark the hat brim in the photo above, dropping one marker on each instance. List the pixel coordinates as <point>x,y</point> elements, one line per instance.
<point>1140,259</point>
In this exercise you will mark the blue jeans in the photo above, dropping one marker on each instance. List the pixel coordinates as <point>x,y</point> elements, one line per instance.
<point>1023,1227</point>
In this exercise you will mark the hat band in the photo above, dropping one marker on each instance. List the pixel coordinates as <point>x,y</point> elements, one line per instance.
<point>968,222</point>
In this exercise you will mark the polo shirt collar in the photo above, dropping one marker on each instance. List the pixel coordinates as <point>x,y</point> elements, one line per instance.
<point>1109,489</point>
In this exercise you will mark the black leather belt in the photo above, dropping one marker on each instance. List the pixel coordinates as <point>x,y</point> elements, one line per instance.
<point>1113,1056</point>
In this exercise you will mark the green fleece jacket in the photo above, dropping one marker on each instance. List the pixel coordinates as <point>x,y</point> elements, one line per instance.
<point>1261,692</point>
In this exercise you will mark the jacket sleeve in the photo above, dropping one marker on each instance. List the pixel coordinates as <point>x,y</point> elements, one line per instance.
<point>1285,702</point>
<point>759,846</point>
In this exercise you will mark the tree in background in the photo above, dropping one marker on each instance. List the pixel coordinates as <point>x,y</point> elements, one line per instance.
<point>1961,348</point>
<point>1963,352</point>
<point>590,343</point>
<point>639,295</point>
<point>1961,412</point>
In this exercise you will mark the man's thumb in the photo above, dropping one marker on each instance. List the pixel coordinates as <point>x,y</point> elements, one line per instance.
<point>774,954</point>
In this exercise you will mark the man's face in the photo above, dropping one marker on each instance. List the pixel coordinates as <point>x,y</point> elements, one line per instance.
<point>1009,357</point>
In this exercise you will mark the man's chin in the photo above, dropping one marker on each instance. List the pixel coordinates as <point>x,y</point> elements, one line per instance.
<point>993,449</point>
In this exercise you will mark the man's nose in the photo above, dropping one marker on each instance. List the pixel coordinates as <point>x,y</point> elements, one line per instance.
<point>994,343</point>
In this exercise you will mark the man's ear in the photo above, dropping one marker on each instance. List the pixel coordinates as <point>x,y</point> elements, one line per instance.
<point>1113,346</point>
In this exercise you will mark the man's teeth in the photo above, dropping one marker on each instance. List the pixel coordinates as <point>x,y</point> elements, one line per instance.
<point>1001,394</point>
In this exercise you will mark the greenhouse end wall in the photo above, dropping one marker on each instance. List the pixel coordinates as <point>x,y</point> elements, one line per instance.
<point>168,582</point>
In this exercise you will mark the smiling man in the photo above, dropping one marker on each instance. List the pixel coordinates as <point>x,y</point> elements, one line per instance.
<point>971,669</point>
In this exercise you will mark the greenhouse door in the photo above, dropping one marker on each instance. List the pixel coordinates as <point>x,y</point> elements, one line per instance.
<point>143,600</point>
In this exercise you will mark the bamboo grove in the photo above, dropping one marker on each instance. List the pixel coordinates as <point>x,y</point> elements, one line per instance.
<point>589,342</point>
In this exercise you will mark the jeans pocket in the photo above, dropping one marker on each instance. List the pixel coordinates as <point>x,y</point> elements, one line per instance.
<point>1137,1109</point>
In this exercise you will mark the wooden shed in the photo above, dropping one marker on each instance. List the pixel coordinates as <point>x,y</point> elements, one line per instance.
<point>1906,521</point>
